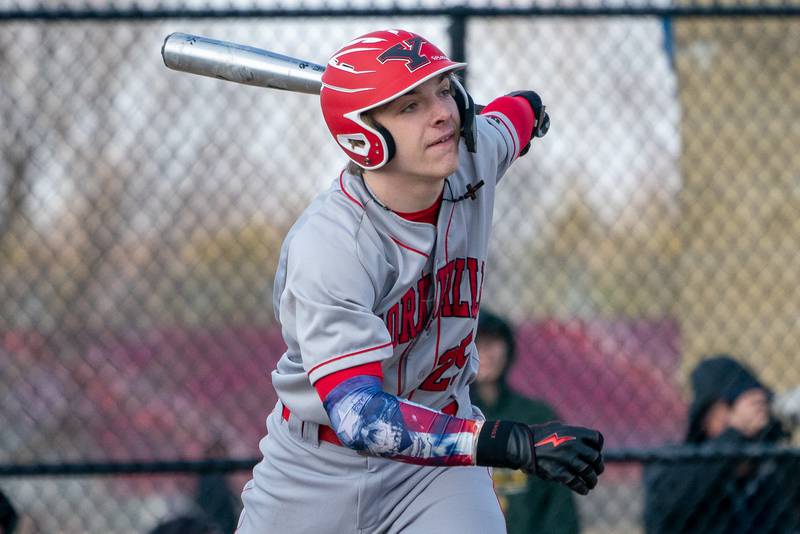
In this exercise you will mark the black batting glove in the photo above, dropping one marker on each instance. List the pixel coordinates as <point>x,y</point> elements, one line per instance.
<point>571,455</point>
<point>541,119</point>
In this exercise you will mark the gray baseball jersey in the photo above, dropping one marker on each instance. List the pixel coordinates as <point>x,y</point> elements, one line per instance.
<point>357,283</point>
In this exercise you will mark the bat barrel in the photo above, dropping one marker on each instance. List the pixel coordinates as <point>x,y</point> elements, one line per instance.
<point>241,64</point>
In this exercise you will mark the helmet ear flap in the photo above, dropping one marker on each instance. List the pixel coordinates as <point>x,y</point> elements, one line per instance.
<point>466,112</point>
<point>388,139</point>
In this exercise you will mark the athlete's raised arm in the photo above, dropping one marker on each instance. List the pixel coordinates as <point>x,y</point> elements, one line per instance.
<point>505,128</point>
<point>526,113</point>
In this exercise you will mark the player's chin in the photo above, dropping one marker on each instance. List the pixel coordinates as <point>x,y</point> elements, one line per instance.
<point>450,166</point>
<point>444,164</point>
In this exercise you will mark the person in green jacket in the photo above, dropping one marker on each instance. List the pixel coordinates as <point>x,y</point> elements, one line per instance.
<point>531,505</point>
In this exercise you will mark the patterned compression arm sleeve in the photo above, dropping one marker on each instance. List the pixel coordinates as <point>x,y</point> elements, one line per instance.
<point>369,420</point>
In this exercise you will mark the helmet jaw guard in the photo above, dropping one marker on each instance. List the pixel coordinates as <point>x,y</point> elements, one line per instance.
<point>370,146</point>
<point>366,73</point>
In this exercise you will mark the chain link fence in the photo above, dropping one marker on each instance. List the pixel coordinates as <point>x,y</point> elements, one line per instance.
<point>142,211</point>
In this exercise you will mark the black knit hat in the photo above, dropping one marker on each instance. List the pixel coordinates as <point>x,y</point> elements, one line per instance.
<point>719,377</point>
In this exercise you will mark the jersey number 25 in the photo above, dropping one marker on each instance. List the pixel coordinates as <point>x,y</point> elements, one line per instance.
<point>455,356</point>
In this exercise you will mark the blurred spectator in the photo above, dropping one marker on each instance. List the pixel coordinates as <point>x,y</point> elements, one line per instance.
<point>12,521</point>
<point>8,515</point>
<point>529,503</point>
<point>730,408</point>
<point>187,524</point>
<point>214,496</point>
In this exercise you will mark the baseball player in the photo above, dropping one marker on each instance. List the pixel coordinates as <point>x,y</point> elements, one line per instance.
<point>377,291</point>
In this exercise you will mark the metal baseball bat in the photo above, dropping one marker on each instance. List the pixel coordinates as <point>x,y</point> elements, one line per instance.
<point>241,64</point>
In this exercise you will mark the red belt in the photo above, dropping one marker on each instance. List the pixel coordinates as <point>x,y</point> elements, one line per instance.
<point>326,433</point>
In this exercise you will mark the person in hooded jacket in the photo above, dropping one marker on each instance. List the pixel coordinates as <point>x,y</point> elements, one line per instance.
<point>8,515</point>
<point>529,503</point>
<point>730,408</point>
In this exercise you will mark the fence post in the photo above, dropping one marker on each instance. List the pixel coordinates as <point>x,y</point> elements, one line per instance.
<point>458,37</point>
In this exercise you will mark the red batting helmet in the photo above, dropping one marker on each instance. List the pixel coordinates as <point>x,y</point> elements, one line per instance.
<point>367,72</point>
